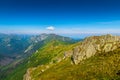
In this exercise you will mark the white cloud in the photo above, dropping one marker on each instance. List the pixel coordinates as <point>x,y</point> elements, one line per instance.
<point>51,28</point>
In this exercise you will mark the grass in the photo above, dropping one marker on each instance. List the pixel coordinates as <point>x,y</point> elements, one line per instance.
<point>104,66</point>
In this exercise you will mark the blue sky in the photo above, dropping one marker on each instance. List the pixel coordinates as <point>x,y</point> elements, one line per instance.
<point>65,16</point>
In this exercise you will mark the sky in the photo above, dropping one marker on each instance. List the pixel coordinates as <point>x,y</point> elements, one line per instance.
<point>60,16</point>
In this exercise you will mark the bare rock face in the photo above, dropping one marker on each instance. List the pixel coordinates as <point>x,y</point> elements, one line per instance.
<point>27,75</point>
<point>92,45</point>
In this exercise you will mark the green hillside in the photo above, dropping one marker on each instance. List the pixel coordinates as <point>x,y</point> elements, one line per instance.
<point>105,66</point>
<point>43,56</point>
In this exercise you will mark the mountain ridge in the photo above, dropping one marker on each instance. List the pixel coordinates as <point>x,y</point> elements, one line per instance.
<point>15,46</point>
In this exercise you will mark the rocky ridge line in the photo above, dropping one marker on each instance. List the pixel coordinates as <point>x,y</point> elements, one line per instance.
<point>95,44</point>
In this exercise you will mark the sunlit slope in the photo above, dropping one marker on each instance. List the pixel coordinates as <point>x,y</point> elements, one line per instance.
<point>52,51</point>
<point>104,66</point>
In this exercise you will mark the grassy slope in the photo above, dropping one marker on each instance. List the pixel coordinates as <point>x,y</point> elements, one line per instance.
<point>43,56</point>
<point>104,66</point>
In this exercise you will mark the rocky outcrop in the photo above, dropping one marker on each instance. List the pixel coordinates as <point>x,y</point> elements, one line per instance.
<point>27,76</point>
<point>95,44</point>
<point>40,68</point>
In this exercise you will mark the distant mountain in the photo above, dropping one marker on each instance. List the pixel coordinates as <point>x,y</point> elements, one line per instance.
<point>14,47</point>
<point>40,40</point>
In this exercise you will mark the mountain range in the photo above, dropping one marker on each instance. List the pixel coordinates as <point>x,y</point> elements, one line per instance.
<point>17,47</point>
<point>54,57</point>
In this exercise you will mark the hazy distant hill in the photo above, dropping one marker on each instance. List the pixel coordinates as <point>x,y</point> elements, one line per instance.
<point>12,46</point>
<point>18,46</point>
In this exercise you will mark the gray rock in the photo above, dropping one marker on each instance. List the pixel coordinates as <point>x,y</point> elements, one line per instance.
<point>92,45</point>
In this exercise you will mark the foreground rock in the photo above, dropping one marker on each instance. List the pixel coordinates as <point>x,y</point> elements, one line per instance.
<point>96,44</point>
